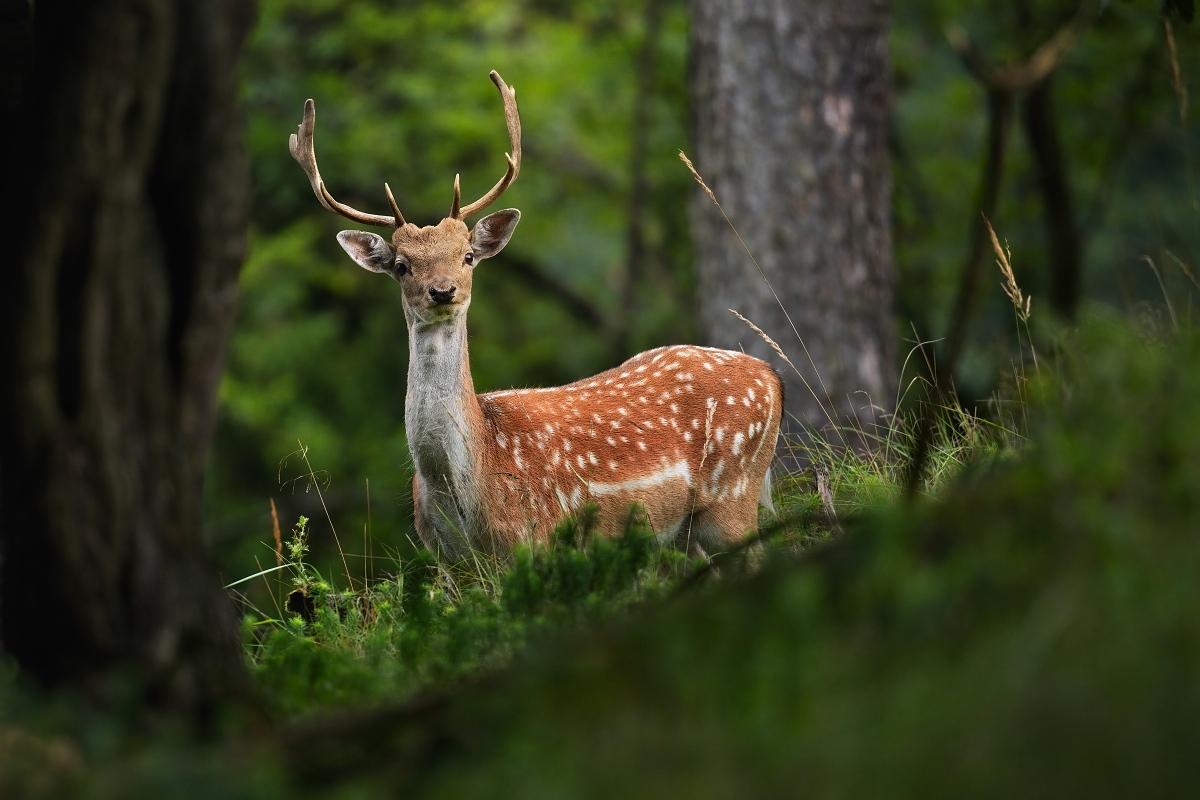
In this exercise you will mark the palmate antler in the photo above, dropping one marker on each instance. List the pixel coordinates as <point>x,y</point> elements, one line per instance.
<point>301,146</point>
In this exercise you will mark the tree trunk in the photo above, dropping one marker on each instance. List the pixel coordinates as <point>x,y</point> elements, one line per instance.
<point>791,104</point>
<point>126,149</point>
<point>1066,257</point>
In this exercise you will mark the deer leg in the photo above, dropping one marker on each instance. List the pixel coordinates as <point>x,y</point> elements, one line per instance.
<point>427,536</point>
<point>722,528</point>
<point>688,540</point>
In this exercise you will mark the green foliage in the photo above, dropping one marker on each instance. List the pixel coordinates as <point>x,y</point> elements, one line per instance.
<point>1031,633</point>
<point>429,625</point>
<point>402,95</point>
<point>320,350</point>
<point>1126,152</point>
<point>1027,629</point>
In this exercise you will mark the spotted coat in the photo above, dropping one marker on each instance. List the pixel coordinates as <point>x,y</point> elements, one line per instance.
<point>686,432</point>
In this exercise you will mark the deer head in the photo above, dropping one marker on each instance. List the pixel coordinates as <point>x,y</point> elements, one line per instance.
<point>433,264</point>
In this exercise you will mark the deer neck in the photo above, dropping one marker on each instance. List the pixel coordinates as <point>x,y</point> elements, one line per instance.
<point>441,414</point>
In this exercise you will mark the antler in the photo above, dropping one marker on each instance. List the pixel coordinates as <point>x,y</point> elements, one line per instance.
<point>306,157</point>
<point>513,119</point>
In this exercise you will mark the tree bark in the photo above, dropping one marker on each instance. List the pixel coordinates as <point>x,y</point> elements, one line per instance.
<point>1066,257</point>
<point>791,103</point>
<point>128,161</point>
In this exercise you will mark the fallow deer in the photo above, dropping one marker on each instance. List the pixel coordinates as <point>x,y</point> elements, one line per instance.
<point>687,432</point>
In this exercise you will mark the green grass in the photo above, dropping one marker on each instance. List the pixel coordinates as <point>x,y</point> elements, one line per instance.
<point>1029,632</point>
<point>429,625</point>
<point>425,625</point>
<point>1025,626</point>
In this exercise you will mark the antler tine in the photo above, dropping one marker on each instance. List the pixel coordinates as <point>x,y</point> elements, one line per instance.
<point>454,207</point>
<point>395,208</point>
<point>302,150</point>
<point>513,119</point>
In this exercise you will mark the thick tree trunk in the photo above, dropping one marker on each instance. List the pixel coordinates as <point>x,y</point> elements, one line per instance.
<point>126,153</point>
<point>791,104</point>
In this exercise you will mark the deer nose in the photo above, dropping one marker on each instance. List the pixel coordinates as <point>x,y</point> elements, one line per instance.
<point>441,295</point>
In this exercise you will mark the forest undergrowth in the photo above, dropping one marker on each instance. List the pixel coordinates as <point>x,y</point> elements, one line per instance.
<point>320,648</point>
<point>334,642</point>
<point>1021,624</point>
<point>1024,624</point>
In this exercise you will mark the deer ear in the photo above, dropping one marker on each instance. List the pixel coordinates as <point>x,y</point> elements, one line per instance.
<point>369,250</point>
<point>493,232</point>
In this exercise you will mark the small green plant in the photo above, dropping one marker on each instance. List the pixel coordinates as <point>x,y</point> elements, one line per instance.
<point>297,548</point>
<point>430,623</point>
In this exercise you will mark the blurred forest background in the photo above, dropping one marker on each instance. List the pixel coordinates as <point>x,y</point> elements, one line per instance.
<point>319,355</point>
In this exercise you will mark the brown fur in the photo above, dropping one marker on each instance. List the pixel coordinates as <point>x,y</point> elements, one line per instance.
<point>637,434</point>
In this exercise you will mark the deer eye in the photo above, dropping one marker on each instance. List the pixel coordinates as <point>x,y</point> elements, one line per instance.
<point>469,258</point>
<point>402,266</point>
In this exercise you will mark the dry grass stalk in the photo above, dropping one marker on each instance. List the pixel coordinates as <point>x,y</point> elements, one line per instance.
<point>278,536</point>
<point>827,401</point>
<point>825,491</point>
<point>766,339</point>
<point>1177,80</point>
<point>712,408</point>
<point>692,169</point>
<point>1163,287</point>
<point>1003,255</point>
<point>1183,267</point>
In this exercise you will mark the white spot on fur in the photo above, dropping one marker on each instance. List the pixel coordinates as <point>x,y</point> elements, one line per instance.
<point>716,476</point>
<point>678,470</point>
